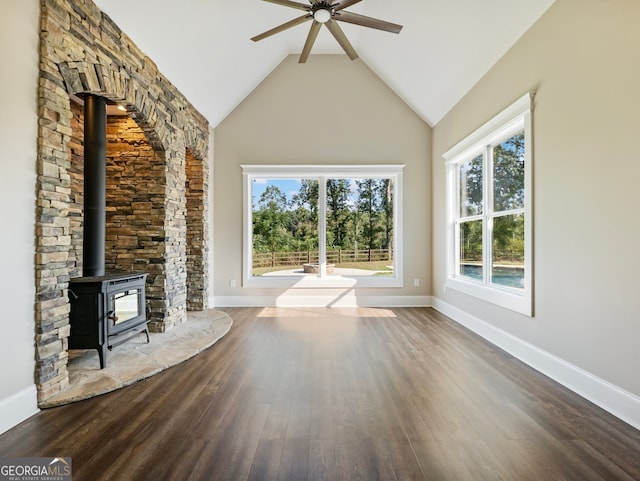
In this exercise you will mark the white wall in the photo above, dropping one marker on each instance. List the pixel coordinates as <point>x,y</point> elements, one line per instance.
<point>582,58</point>
<point>327,111</point>
<point>18,137</point>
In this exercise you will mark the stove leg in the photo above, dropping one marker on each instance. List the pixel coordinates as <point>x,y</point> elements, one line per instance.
<point>102,354</point>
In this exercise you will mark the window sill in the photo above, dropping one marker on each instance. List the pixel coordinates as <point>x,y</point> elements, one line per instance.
<point>514,300</point>
<point>312,282</point>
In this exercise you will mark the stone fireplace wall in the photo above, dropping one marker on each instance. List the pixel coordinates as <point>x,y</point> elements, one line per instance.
<point>75,148</point>
<point>135,214</point>
<point>83,51</point>
<point>198,245</point>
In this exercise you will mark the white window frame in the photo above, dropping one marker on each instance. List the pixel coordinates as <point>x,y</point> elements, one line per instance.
<point>321,172</point>
<point>515,118</point>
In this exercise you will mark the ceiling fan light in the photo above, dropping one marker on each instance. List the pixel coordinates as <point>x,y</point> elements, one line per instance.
<point>322,15</point>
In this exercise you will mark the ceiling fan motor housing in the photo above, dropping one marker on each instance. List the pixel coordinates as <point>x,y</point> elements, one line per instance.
<point>322,11</point>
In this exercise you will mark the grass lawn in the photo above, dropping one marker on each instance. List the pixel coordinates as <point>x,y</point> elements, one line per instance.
<point>382,266</point>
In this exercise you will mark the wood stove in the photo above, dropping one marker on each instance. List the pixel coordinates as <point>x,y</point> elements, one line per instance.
<point>106,311</point>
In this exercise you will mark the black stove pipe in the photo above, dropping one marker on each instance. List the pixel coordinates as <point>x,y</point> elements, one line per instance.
<point>95,174</point>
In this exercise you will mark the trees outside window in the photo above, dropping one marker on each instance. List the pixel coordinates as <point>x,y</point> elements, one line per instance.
<point>326,223</point>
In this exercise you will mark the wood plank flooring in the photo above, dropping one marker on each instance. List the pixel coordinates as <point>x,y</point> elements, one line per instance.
<point>338,395</point>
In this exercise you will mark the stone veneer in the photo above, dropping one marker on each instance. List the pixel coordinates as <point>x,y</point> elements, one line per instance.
<point>198,246</point>
<point>157,213</point>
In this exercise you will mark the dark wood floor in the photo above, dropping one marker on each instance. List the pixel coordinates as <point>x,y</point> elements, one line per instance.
<point>338,394</point>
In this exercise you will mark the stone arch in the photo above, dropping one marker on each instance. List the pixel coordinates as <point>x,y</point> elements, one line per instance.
<point>194,141</point>
<point>118,87</point>
<point>154,218</point>
<point>83,51</point>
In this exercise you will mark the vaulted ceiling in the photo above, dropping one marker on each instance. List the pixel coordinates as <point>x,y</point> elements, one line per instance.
<point>204,48</point>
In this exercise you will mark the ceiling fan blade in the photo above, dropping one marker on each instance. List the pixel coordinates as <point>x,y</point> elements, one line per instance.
<point>281,28</point>
<point>339,35</point>
<point>289,3</point>
<point>346,4</point>
<point>358,19</point>
<point>311,39</point>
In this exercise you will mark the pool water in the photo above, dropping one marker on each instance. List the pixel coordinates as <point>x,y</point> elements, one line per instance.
<point>504,276</point>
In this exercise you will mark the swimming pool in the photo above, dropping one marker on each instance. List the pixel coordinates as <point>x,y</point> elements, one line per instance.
<point>502,275</point>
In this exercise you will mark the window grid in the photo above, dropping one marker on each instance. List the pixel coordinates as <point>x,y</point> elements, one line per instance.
<point>512,211</point>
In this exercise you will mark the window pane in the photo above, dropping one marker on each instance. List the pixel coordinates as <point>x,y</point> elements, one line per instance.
<point>285,226</point>
<point>471,249</point>
<point>508,251</point>
<point>359,227</point>
<point>470,177</point>
<point>508,174</point>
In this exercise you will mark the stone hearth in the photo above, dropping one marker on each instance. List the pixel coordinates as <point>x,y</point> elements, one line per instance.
<point>137,360</point>
<point>157,190</point>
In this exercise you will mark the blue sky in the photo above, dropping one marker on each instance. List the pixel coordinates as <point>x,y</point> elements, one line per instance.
<point>289,187</point>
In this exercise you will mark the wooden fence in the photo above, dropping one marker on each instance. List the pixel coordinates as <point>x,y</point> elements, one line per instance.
<point>337,256</point>
<point>500,255</point>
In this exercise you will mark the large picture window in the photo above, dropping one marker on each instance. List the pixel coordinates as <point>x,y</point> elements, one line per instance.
<point>322,226</point>
<point>489,210</point>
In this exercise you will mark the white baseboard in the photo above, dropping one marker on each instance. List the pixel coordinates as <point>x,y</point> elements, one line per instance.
<point>18,407</point>
<point>321,301</point>
<point>622,404</point>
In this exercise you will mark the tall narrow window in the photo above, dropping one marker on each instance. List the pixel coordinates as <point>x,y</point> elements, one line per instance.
<point>489,210</point>
<point>322,226</point>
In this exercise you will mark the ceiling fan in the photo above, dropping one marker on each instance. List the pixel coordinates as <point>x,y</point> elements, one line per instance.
<point>324,12</point>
